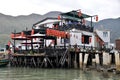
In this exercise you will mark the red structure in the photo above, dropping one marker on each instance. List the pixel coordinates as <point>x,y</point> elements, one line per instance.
<point>117,42</point>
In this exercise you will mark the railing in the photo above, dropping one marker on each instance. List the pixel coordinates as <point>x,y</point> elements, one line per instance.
<point>50,50</point>
<point>71,26</point>
<point>76,26</point>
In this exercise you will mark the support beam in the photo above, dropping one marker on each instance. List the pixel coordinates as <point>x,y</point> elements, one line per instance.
<point>75,61</point>
<point>14,40</point>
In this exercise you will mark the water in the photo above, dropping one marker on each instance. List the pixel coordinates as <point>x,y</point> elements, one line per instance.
<point>52,74</point>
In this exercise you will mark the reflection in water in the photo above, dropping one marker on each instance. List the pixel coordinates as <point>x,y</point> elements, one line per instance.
<point>51,74</point>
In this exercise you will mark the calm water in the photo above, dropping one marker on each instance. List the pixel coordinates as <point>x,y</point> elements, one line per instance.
<point>52,74</point>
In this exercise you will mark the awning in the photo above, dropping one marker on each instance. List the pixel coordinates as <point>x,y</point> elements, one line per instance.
<point>20,38</point>
<point>74,15</point>
<point>38,35</point>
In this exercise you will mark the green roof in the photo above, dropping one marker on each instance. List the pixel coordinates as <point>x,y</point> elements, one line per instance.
<point>74,15</point>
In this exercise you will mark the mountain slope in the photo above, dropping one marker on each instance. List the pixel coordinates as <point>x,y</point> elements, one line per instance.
<point>9,23</point>
<point>110,24</point>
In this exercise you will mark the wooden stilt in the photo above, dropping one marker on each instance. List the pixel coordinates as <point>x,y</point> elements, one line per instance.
<point>21,61</point>
<point>18,61</point>
<point>49,62</point>
<point>38,62</point>
<point>69,60</point>
<point>11,62</point>
<point>42,63</point>
<point>45,61</point>
<point>75,61</point>
<point>63,58</point>
<point>33,60</point>
<point>25,62</point>
<point>57,62</point>
<point>15,61</point>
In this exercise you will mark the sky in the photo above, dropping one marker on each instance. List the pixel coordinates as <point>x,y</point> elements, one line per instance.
<point>103,8</point>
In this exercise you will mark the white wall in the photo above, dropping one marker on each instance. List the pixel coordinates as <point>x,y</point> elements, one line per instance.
<point>75,38</point>
<point>48,22</point>
<point>105,36</point>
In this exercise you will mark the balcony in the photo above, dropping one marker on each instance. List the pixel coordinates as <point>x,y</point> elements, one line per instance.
<point>76,26</point>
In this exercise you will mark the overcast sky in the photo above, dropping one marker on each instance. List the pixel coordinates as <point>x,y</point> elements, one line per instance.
<point>102,8</point>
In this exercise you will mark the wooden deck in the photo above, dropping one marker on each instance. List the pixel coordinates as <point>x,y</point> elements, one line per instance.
<point>65,58</point>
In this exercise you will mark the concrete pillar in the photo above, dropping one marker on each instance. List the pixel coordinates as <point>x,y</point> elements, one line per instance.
<point>106,59</point>
<point>97,60</point>
<point>117,61</point>
<point>80,60</point>
<point>75,61</point>
<point>85,61</point>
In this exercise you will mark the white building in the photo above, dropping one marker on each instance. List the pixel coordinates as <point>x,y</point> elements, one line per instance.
<point>82,38</point>
<point>71,29</point>
<point>77,36</point>
<point>105,36</point>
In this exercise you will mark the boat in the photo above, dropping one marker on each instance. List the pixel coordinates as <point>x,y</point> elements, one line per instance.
<point>4,61</point>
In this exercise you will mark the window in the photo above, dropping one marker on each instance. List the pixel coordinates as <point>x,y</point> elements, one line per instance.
<point>105,34</point>
<point>86,39</point>
<point>62,40</point>
<point>66,40</point>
